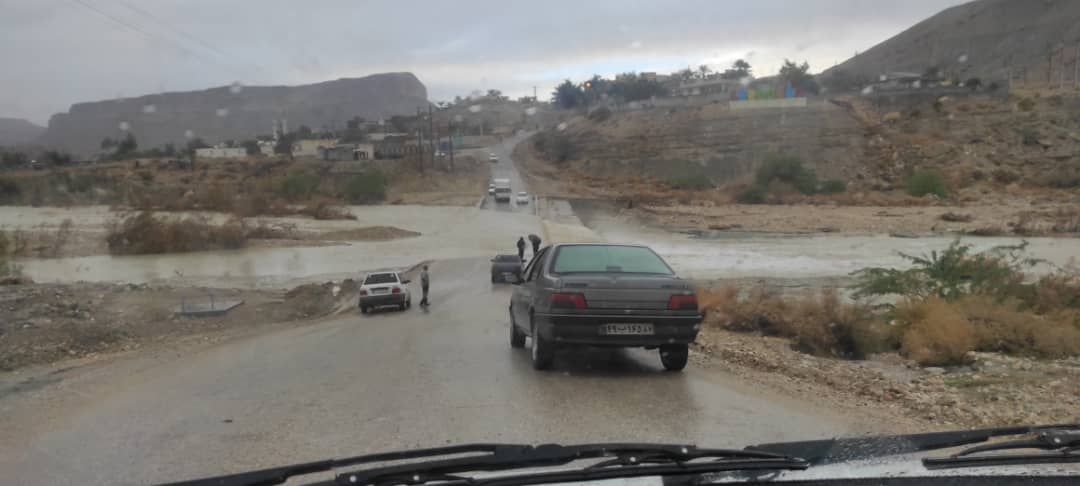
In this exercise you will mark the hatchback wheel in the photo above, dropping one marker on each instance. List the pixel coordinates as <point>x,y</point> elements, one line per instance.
<point>674,356</point>
<point>517,338</point>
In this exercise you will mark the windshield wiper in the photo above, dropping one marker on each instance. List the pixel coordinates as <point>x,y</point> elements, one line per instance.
<point>818,452</point>
<point>1062,446</point>
<point>445,464</point>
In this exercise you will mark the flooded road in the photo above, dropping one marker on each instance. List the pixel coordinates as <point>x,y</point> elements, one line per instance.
<point>446,232</point>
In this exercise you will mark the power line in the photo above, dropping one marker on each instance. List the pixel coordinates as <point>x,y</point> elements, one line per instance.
<point>186,35</point>
<point>172,43</point>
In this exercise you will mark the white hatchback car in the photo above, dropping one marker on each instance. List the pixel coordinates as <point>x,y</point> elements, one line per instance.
<point>523,197</point>
<point>384,289</point>
<point>493,158</point>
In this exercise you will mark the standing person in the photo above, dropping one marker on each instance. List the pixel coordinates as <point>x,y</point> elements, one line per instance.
<point>535,243</point>
<point>424,281</point>
<point>521,248</point>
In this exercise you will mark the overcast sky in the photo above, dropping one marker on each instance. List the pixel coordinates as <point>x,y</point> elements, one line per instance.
<point>58,52</point>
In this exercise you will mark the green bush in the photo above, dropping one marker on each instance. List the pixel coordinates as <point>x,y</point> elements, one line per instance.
<point>786,169</point>
<point>9,191</point>
<point>365,188</point>
<point>555,146</point>
<point>600,114</point>
<point>299,185</point>
<point>752,195</point>
<point>1026,104</point>
<point>925,182</point>
<point>833,186</point>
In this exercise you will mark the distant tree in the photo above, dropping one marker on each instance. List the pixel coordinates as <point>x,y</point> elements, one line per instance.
<point>703,71</point>
<point>304,132</point>
<point>685,74</point>
<point>635,87</point>
<point>458,100</point>
<point>284,144</point>
<point>738,70</point>
<point>127,146</point>
<point>568,95</point>
<point>107,143</point>
<point>168,150</point>
<point>595,88</point>
<point>494,93</point>
<point>13,159</point>
<point>251,147</point>
<point>195,143</point>
<point>799,76</point>
<point>57,158</point>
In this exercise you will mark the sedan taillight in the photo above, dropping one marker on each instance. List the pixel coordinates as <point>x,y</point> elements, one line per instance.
<point>682,302</point>
<point>363,292</point>
<point>568,301</point>
<point>397,290</point>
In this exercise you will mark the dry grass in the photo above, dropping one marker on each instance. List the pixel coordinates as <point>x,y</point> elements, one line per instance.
<point>935,332</point>
<point>1002,328</point>
<point>956,217</point>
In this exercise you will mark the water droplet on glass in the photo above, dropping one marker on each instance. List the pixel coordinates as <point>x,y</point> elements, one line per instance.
<point>530,110</point>
<point>867,90</point>
<point>962,58</point>
<point>744,81</point>
<point>561,126</point>
<point>222,112</point>
<point>236,87</point>
<point>916,84</point>
<point>148,109</point>
<point>189,134</point>
<point>459,118</point>
<point>636,44</point>
<point>882,77</point>
<point>125,126</point>
<point>476,109</point>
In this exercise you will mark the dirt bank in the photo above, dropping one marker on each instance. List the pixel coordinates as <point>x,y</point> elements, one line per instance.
<point>992,390</point>
<point>44,323</point>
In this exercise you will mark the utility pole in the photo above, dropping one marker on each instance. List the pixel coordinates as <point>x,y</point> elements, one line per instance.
<point>419,141</point>
<point>534,94</point>
<point>432,137</point>
<point>450,141</point>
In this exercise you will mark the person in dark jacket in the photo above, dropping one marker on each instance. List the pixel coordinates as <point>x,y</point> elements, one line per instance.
<point>521,248</point>
<point>535,243</point>
<point>425,280</point>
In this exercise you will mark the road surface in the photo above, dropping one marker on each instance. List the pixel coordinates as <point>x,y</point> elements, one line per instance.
<point>505,169</point>
<point>357,384</point>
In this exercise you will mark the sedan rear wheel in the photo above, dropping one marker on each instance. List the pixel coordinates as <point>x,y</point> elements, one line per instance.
<point>542,352</point>
<point>517,338</point>
<point>674,356</point>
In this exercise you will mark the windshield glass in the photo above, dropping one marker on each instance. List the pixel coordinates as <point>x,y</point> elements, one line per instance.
<point>598,258</point>
<point>380,278</point>
<point>241,234</point>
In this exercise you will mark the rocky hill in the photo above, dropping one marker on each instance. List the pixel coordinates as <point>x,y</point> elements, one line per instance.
<point>233,112</point>
<point>984,38</point>
<point>18,131</point>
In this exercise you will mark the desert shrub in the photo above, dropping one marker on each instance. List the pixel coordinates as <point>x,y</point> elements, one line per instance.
<point>555,146</point>
<point>1001,327</point>
<point>786,169</point>
<point>365,188</point>
<point>9,191</point>
<point>1026,104</point>
<point>146,176</point>
<point>690,182</point>
<point>956,217</point>
<point>925,182</point>
<point>143,233</point>
<point>935,333</point>
<point>833,186</point>
<point>951,274</point>
<point>216,198</point>
<point>299,185</point>
<point>754,194</point>
<point>1004,176</point>
<point>326,210</point>
<point>600,114</point>
<point>1029,136</point>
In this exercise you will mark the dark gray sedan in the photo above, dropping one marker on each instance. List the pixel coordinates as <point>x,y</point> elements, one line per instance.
<point>505,268</point>
<point>603,295</point>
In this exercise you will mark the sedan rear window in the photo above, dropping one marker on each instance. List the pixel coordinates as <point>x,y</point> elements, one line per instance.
<point>380,278</point>
<point>613,259</point>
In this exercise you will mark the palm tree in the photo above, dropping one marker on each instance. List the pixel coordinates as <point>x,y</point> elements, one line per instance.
<point>704,71</point>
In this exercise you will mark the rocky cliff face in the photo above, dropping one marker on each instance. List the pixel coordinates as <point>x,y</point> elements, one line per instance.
<point>984,38</point>
<point>225,113</point>
<point>16,131</point>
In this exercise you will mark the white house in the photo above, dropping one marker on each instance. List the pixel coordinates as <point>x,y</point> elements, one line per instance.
<point>221,153</point>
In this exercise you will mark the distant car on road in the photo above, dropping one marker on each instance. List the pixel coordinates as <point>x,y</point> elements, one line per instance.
<point>523,197</point>
<point>505,268</point>
<point>493,158</point>
<point>603,295</point>
<point>491,189</point>
<point>384,289</point>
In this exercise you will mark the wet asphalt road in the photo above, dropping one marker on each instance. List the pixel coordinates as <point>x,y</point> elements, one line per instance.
<point>505,168</point>
<point>359,384</point>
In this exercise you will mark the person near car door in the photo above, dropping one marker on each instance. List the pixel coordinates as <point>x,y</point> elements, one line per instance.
<point>521,248</point>
<point>535,240</point>
<point>424,281</point>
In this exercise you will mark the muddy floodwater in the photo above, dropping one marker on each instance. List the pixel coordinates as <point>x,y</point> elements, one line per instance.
<point>455,232</point>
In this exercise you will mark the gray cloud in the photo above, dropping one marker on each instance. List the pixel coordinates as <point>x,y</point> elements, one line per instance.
<point>65,51</point>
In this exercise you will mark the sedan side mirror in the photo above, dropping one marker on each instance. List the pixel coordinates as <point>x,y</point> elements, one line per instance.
<point>406,281</point>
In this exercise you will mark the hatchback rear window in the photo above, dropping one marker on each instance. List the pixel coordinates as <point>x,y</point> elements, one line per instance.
<point>613,259</point>
<point>380,278</point>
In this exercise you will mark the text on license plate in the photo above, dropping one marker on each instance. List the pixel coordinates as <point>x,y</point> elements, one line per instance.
<point>379,291</point>
<point>623,329</point>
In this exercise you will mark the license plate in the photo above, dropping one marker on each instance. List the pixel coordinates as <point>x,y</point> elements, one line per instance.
<point>508,276</point>
<point>379,291</point>
<point>626,329</point>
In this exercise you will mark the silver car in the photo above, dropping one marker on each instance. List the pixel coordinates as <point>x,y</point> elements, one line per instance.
<point>603,295</point>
